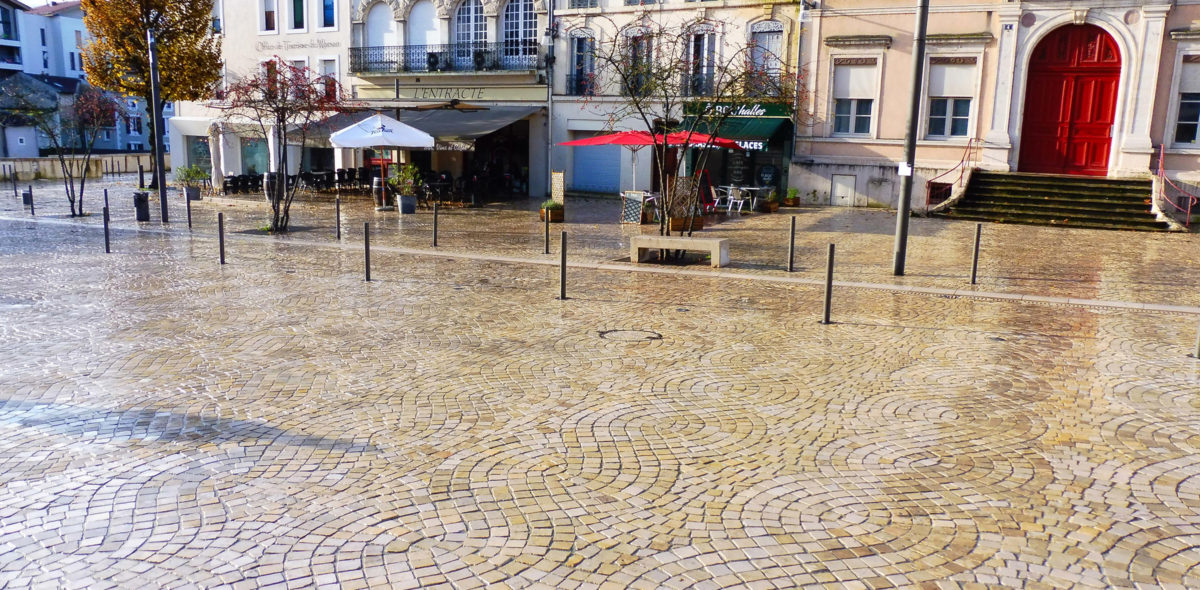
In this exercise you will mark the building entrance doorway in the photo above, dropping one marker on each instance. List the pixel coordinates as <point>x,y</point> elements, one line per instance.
<point>1070,102</point>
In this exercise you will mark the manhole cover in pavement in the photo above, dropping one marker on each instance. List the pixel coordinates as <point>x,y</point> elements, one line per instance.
<point>630,335</point>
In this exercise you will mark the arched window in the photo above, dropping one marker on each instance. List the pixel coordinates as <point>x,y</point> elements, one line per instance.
<point>379,50</point>
<point>470,33</point>
<point>520,35</point>
<point>422,24</point>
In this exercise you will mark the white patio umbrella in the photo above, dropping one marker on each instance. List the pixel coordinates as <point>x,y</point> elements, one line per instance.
<point>381,131</point>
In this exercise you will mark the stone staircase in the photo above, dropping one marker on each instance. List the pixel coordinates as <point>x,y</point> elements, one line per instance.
<point>1049,199</point>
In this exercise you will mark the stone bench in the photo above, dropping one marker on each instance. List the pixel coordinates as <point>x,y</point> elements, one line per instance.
<point>718,248</point>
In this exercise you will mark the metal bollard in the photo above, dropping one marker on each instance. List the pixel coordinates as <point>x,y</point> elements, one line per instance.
<point>337,213</point>
<point>792,247</point>
<point>367,247</point>
<point>106,198</point>
<point>828,286</point>
<point>975,257</point>
<point>221,234</point>
<point>107,249</point>
<point>188,204</point>
<point>141,176</point>
<point>547,219</point>
<point>435,223</point>
<point>562,267</point>
<point>13,172</point>
<point>31,213</point>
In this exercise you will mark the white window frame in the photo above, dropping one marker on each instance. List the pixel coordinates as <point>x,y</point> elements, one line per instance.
<point>947,131</point>
<point>875,108</point>
<point>337,66</point>
<point>262,17</point>
<point>317,14</point>
<point>1185,48</point>
<point>291,5</point>
<point>927,101</point>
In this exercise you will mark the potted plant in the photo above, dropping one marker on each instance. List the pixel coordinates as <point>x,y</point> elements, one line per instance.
<point>405,183</point>
<point>191,177</point>
<point>770,203</point>
<point>648,211</point>
<point>552,208</point>
<point>793,197</point>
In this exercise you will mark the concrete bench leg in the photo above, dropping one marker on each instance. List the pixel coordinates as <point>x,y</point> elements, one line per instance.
<point>721,256</point>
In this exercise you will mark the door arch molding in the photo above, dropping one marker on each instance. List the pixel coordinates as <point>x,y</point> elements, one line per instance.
<point>1033,36</point>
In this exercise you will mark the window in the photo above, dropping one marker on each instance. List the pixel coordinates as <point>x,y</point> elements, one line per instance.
<point>267,18</point>
<point>581,80</point>
<point>79,39</point>
<point>951,86</point>
<point>73,61</point>
<point>45,60</point>
<point>329,77</point>
<point>854,83</point>
<point>520,35</point>
<point>43,37</point>
<point>133,126</point>
<point>8,26</point>
<point>949,117</point>
<point>701,55</point>
<point>328,14</point>
<point>766,44</point>
<point>1187,120</point>
<point>470,29</point>
<point>852,115</point>
<point>271,73</point>
<point>640,49</point>
<point>107,135</point>
<point>298,14</point>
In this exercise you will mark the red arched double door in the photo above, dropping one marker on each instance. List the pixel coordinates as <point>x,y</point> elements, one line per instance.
<point>1070,102</point>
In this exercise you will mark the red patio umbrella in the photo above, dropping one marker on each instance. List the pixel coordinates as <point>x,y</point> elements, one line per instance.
<point>636,140</point>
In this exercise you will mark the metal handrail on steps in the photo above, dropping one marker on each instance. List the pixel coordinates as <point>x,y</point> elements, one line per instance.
<point>961,167</point>
<point>1163,182</point>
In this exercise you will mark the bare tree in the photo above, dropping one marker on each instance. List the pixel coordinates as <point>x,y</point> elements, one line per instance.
<point>285,103</point>
<point>70,125</point>
<point>680,78</point>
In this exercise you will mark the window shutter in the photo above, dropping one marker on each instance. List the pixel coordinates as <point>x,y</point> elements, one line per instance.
<point>952,80</point>
<point>854,81</point>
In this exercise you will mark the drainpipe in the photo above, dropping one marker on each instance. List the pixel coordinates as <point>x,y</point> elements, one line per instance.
<point>552,34</point>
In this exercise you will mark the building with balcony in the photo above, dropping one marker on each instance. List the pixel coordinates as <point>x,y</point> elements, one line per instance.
<point>1066,88</point>
<point>11,31</point>
<point>470,73</point>
<point>709,38</point>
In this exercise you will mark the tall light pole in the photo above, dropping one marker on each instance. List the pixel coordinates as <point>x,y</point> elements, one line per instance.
<point>910,139</point>
<point>160,174</point>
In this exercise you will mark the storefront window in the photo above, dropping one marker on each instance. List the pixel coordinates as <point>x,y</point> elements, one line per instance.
<point>254,155</point>
<point>198,153</point>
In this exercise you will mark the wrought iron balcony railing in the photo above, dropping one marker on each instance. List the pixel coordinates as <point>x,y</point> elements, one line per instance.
<point>698,84</point>
<point>765,83</point>
<point>581,84</point>
<point>455,57</point>
<point>583,3</point>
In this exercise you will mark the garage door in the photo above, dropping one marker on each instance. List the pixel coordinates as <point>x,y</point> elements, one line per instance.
<point>597,169</point>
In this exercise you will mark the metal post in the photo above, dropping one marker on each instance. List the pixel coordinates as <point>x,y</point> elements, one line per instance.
<point>106,198</point>
<point>792,247</point>
<point>828,285</point>
<point>435,223</point>
<point>547,219</point>
<point>900,250</point>
<point>107,248</point>
<point>141,176</point>
<point>160,175</point>
<point>31,213</point>
<point>221,234</point>
<point>975,258</point>
<point>367,247</point>
<point>562,267</point>
<point>337,212</point>
<point>188,203</point>
<point>14,180</point>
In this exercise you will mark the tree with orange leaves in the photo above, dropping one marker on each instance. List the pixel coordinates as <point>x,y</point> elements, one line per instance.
<point>118,57</point>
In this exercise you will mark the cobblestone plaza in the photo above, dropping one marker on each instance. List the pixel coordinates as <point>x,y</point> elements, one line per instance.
<point>166,421</point>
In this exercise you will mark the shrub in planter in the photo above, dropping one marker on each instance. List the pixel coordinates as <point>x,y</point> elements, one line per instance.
<point>191,177</point>
<point>553,209</point>
<point>793,197</point>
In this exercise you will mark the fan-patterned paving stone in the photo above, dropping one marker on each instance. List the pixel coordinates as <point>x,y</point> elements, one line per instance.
<point>278,422</point>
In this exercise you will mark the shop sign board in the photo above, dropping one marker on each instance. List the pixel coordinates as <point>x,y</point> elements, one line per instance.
<point>445,93</point>
<point>741,109</point>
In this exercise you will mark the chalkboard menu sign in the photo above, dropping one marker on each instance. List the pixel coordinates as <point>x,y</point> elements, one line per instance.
<point>737,169</point>
<point>631,206</point>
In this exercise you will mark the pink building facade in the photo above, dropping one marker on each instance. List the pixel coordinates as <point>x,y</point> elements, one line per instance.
<point>1067,87</point>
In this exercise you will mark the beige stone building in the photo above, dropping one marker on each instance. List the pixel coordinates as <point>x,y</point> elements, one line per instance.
<point>1070,87</point>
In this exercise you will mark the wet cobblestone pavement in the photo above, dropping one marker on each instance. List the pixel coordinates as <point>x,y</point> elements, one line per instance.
<point>166,421</point>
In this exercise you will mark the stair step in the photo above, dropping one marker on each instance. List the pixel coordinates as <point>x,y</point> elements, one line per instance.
<point>1066,191</point>
<point>1067,222</point>
<point>1073,201</point>
<point>1071,205</point>
<point>1053,179</point>
<point>1051,214</point>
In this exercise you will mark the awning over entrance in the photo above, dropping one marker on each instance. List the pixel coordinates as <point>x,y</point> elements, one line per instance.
<point>455,130</point>
<point>450,125</point>
<point>740,128</point>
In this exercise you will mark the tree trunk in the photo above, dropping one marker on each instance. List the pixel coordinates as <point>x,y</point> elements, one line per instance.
<point>152,113</point>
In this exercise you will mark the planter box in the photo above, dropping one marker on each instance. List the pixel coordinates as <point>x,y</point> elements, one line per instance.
<point>192,192</point>
<point>556,215</point>
<point>768,206</point>
<point>793,202</point>
<point>680,223</point>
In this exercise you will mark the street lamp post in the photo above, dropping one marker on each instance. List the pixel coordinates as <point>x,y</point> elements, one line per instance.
<point>160,174</point>
<point>910,140</point>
